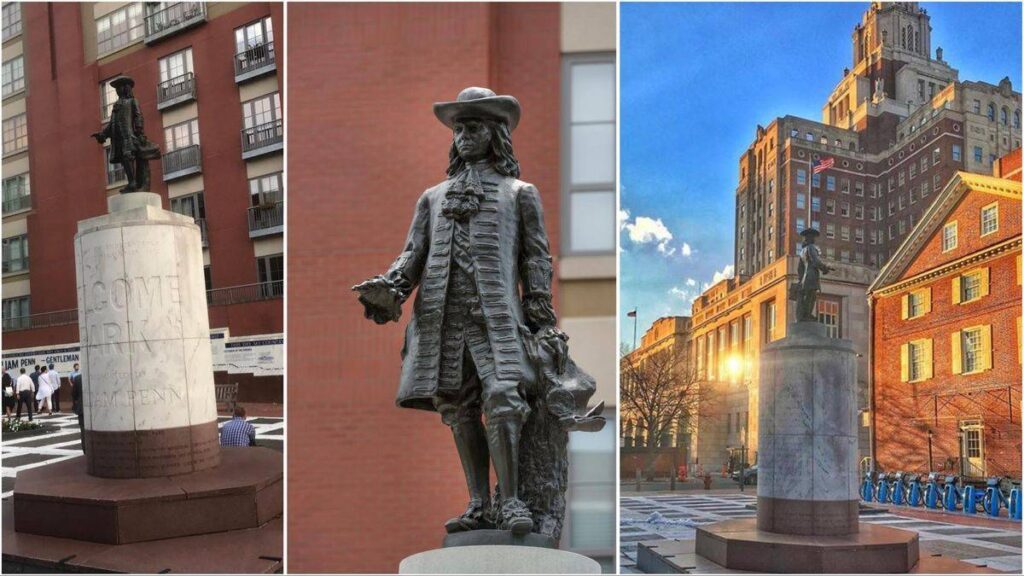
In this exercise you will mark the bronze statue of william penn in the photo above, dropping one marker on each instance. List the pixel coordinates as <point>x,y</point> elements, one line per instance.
<point>128,143</point>
<point>809,272</point>
<point>483,341</point>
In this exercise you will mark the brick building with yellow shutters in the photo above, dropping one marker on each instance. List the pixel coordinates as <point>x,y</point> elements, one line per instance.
<point>945,344</point>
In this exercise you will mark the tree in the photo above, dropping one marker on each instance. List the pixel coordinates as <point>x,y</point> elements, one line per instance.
<point>661,393</point>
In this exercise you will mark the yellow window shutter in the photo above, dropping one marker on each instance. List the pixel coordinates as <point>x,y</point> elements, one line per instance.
<point>956,290</point>
<point>954,352</point>
<point>984,281</point>
<point>928,364</point>
<point>904,362</point>
<point>905,306</point>
<point>927,293</point>
<point>986,347</point>
<point>1018,270</point>
<point>1020,344</point>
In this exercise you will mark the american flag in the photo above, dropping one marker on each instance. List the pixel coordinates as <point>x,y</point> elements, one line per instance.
<point>823,164</point>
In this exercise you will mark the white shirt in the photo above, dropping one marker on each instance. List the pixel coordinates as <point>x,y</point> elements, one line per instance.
<point>54,379</point>
<point>25,383</point>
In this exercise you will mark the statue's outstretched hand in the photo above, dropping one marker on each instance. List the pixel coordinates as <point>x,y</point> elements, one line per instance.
<point>381,300</point>
<point>100,137</point>
<point>556,343</point>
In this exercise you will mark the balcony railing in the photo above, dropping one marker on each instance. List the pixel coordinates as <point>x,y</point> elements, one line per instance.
<point>266,219</point>
<point>173,19</point>
<point>176,91</point>
<point>254,61</point>
<point>182,162</point>
<point>17,204</point>
<point>42,320</point>
<point>262,139</point>
<point>15,265</point>
<point>246,293</point>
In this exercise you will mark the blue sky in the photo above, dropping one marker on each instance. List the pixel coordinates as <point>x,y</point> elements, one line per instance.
<point>697,79</point>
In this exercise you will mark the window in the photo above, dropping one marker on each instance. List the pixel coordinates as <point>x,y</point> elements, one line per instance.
<point>261,111</point>
<point>858,189</point>
<point>769,321</point>
<point>892,208</point>
<point>267,189</point>
<point>15,254</point>
<point>844,232</point>
<point>15,134</point>
<point>975,349</point>
<point>254,35</point>
<point>16,312</point>
<point>830,183</point>
<point>1004,117</point>
<point>801,176</point>
<point>107,98</point>
<point>991,112</point>
<point>913,169</point>
<point>858,235</point>
<point>13,75</point>
<point>989,219</point>
<point>176,66</point>
<point>978,153</point>
<point>800,224</point>
<point>828,314</point>
<point>192,205</point>
<point>589,133</point>
<point>976,106</point>
<point>748,334</point>
<point>830,206</point>
<point>271,275</point>
<point>936,182</point>
<point>11,20</point>
<point>181,135</point>
<point>809,137</point>
<point>794,133</point>
<point>816,204</point>
<point>949,236</point>
<point>902,227</point>
<point>844,209</point>
<point>115,172</point>
<point>801,201</point>
<point>900,200</point>
<point>16,193</point>
<point>902,178</point>
<point>956,153</point>
<point>916,360</point>
<point>1016,118</point>
<point>936,156</point>
<point>970,286</point>
<point>924,189</point>
<point>816,180</point>
<point>858,211</point>
<point>844,256</point>
<point>120,28</point>
<point>917,303</point>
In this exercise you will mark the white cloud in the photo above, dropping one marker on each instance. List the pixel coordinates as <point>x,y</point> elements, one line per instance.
<point>623,219</point>
<point>643,230</point>
<point>686,249</point>
<point>724,273</point>
<point>691,282</point>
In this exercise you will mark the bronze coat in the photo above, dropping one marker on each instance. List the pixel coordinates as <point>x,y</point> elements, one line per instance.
<point>509,247</point>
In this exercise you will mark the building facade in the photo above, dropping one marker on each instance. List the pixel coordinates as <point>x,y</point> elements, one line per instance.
<point>946,335</point>
<point>362,457</point>
<point>668,337</point>
<point>897,127</point>
<point>208,80</point>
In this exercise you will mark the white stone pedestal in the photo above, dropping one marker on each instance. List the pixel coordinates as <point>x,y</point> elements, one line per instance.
<point>498,560</point>
<point>147,370</point>
<point>807,438</point>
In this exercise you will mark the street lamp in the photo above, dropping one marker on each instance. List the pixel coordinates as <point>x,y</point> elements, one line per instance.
<point>930,466</point>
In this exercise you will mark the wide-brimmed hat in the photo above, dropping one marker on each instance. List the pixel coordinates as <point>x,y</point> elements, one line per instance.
<point>475,102</point>
<point>121,81</point>
<point>810,232</point>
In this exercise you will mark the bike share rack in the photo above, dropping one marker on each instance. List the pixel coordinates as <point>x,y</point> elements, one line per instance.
<point>941,493</point>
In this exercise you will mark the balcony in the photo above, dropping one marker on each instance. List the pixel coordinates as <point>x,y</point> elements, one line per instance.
<point>173,19</point>
<point>17,204</point>
<point>176,91</point>
<point>266,219</point>
<point>42,320</point>
<point>182,162</point>
<point>255,61</point>
<point>246,293</point>
<point>262,139</point>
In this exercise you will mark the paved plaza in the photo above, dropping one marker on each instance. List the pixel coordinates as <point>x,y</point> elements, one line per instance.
<point>64,442</point>
<point>659,516</point>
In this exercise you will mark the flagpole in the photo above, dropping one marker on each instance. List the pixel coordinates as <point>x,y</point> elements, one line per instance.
<point>635,316</point>
<point>810,218</point>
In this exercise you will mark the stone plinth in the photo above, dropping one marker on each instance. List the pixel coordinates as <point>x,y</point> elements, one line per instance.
<point>497,538</point>
<point>63,501</point>
<point>147,370</point>
<point>740,545</point>
<point>807,437</point>
<point>498,560</point>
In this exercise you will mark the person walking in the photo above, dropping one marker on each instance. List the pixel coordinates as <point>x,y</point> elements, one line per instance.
<point>238,432</point>
<point>10,398</point>
<point>55,386</point>
<point>44,392</point>
<point>76,403</point>
<point>25,387</point>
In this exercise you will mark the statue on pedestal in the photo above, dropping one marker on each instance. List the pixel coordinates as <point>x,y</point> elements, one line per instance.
<point>128,144</point>
<point>483,342</point>
<point>808,273</point>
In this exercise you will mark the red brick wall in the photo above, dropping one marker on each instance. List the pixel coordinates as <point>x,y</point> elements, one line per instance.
<point>68,177</point>
<point>905,411</point>
<point>370,484</point>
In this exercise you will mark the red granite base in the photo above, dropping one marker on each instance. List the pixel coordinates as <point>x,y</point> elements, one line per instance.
<point>739,545</point>
<point>253,551</point>
<point>63,501</point>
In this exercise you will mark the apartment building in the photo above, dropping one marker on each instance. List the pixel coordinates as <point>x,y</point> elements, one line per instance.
<point>208,80</point>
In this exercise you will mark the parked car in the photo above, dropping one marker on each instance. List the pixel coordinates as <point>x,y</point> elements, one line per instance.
<point>749,475</point>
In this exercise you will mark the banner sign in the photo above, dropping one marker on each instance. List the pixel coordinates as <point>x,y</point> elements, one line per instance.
<point>62,356</point>
<point>257,355</point>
